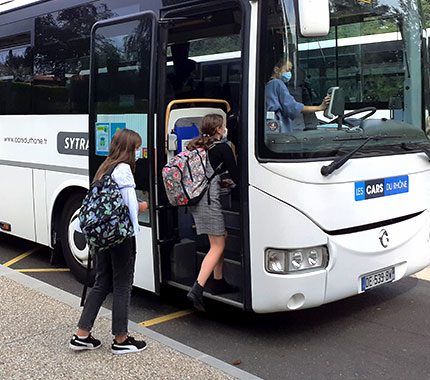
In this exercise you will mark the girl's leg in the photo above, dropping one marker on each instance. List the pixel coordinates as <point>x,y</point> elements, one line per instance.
<point>123,259</point>
<point>102,287</point>
<point>218,268</point>
<point>212,259</point>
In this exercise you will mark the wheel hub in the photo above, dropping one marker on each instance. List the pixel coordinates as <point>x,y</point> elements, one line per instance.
<point>77,244</point>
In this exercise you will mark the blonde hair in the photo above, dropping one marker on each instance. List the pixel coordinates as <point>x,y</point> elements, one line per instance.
<point>122,149</point>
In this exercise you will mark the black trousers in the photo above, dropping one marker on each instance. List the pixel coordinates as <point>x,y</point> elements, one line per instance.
<point>114,273</point>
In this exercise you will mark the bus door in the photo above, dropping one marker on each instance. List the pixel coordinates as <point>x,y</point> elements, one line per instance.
<point>122,81</point>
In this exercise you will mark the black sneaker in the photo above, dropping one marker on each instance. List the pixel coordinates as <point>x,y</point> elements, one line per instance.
<point>129,345</point>
<point>79,344</point>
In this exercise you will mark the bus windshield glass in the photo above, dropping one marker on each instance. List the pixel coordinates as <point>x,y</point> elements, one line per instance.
<point>374,53</point>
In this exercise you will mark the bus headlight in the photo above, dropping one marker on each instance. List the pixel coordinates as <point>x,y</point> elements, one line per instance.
<point>275,261</point>
<point>283,261</point>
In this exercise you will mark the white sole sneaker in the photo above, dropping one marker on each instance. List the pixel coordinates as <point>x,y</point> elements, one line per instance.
<point>82,344</point>
<point>82,348</point>
<point>127,350</point>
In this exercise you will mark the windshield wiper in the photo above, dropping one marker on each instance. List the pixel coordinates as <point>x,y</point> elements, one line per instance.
<point>416,146</point>
<point>338,162</point>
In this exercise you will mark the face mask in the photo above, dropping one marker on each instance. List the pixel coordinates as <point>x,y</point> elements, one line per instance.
<point>224,135</point>
<point>138,154</point>
<point>286,77</point>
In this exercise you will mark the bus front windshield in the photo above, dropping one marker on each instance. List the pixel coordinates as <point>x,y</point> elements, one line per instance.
<point>375,53</point>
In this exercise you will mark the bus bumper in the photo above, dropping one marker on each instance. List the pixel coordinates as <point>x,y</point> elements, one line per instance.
<point>403,247</point>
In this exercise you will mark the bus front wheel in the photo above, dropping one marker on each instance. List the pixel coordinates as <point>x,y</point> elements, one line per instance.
<point>74,247</point>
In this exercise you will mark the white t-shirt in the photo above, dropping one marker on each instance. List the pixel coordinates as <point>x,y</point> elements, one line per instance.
<point>123,176</point>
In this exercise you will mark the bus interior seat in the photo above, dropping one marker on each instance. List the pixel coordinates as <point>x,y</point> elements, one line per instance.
<point>185,123</point>
<point>186,129</point>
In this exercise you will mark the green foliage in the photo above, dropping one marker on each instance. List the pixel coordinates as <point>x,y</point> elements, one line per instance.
<point>425,4</point>
<point>215,45</point>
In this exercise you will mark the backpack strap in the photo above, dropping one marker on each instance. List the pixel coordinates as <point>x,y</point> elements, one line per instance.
<point>218,168</point>
<point>109,172</point>
<point>214,144</point>
<point>111,169</point>
<point>214,174</point>
<point>88,276</point>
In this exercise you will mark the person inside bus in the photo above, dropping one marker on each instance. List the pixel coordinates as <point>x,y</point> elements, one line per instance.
<point>208,216</point>
<point>280,101</point>
<point>115,266</point>
<point>183,82</point>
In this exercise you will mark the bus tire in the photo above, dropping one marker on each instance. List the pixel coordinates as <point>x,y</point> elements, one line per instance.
<point>73,245</point>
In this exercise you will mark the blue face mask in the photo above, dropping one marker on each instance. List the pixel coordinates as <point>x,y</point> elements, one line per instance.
<point>286,77</point>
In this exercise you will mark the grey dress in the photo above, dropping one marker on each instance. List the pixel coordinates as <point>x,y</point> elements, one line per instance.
<point>209,218</point>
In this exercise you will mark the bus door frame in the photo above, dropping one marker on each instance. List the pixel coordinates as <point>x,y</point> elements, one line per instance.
<point>167,17</point>
<point>151,122</point>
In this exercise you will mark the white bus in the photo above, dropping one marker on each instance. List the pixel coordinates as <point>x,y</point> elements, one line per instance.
<point>322,213</point>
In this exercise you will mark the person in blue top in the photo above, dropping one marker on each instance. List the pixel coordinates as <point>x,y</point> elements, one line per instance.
<point>280,104</point>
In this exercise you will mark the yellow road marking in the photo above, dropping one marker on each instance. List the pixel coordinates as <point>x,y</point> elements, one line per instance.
<point>42,270</point>
<point>165,318</point>
<point>20,257</point>
<point>423,275</point>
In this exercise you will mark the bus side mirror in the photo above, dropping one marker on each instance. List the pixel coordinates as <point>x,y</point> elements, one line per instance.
<point>314,17</point>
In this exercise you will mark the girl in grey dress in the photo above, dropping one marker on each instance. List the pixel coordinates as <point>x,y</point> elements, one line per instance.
<point>207,215</point>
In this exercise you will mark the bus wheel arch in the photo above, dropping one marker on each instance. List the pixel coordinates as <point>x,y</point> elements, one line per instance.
<point>71,243</point>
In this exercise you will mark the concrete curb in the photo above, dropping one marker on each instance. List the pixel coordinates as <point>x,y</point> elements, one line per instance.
<point>74,301</point>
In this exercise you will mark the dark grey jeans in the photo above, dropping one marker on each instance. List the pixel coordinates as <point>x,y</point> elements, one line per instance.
<point>114,273</point>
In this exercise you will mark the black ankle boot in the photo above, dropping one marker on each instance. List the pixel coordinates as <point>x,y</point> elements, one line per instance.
<point>195,295</point>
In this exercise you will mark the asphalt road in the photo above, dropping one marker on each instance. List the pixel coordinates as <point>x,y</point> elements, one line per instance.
<point>383,334</point>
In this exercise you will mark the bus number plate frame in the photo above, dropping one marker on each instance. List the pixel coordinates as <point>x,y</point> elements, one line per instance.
<point>374,279</point>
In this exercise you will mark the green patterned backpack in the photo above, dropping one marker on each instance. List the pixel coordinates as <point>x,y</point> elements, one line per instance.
<point>104,217</point>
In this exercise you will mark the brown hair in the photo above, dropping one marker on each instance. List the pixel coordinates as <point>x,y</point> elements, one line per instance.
<point>210,124</point>
<point>122,149</point>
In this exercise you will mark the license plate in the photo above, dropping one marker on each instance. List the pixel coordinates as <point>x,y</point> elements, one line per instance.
<point>371,280</point>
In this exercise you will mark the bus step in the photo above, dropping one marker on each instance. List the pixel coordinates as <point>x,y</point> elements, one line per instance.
<point>232,269</point>
<point>233,299</point>
<point>232,257</point>
<point>232,219</point>
<point>232,244</point>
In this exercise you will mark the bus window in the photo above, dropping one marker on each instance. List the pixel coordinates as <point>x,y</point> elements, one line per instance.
<point>370,53</point>
<point>204,67</point>
<point>369,72</point>
<point>121,91</point>
<point>15,74</point>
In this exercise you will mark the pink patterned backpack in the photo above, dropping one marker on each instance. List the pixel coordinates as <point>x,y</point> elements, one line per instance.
<point>185,178</point>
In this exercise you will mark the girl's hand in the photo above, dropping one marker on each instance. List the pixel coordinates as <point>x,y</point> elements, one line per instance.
<point>143,206</point>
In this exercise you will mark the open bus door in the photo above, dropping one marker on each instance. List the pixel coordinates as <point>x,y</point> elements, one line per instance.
<point>122,90</point>
<point>192,84</point>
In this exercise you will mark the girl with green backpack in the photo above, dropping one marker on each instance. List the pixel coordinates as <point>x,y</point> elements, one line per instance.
<point>115,264</point>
